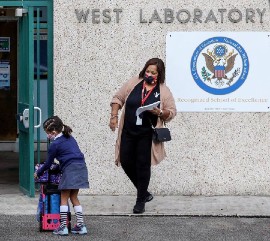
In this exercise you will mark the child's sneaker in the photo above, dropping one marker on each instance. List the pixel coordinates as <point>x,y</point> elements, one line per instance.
<point>79,230</point>
<point>61,231</point>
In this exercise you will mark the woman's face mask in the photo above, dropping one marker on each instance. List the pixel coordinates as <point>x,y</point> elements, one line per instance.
<point>149,79</point>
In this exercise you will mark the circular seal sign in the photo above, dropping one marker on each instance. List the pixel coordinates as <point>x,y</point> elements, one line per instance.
<point>219,65</point>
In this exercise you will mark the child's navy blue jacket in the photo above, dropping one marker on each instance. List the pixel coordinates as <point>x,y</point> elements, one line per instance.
<point>65,150</point>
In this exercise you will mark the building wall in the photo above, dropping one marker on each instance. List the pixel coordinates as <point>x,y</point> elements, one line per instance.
<point>210,154</point>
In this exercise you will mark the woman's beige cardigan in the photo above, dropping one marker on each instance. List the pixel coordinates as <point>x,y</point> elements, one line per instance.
<point>166,103</point>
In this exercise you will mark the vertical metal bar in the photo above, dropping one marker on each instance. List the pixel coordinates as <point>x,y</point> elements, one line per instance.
<point>30,78</point>
<point>50,58</point>
<point>38,80</point>
<point>21,77</point>
<point>24,140</point>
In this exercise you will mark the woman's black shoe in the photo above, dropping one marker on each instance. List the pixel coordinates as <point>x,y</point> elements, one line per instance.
<point>149,197</point>
<point>139,207</point>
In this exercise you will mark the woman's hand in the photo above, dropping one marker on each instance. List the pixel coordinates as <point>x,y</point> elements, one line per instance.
<point>35,175</point>
<point>113,122</point>
<point>156,111</point>
<point>114,116</point>
<point>163,114</point>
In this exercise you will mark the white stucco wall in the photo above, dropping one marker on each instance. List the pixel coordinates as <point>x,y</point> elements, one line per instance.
<point>210,154</point>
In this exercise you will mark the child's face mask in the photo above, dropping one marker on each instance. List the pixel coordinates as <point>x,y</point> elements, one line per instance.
<point>51,136</point>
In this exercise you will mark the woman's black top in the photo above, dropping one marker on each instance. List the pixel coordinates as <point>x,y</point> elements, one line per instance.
<point>133,102</point>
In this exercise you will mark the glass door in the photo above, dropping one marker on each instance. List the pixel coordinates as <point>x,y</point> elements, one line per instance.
<point>35,82</point>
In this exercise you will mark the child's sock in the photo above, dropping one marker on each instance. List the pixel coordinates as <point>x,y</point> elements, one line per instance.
<point>63,216</point>
<point>79,215</point>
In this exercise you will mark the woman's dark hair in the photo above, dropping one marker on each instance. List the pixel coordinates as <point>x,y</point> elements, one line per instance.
<point>160,69</point>
<point>54,123</point>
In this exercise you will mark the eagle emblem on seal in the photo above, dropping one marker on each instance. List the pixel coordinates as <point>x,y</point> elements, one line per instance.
<point>219,62</point>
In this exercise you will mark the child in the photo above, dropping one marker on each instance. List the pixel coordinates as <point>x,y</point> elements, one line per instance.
<point>74,171</point>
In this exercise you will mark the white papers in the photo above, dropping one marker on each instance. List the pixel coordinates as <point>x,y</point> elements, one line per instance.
<point>144,108</point>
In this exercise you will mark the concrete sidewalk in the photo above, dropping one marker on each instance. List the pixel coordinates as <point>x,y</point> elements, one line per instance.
<point>15,203</point>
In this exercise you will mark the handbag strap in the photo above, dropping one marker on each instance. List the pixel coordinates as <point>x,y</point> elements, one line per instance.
<point>151,124</point>
<point>164,123</point>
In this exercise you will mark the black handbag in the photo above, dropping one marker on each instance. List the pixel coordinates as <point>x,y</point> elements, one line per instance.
<point>161,134</point>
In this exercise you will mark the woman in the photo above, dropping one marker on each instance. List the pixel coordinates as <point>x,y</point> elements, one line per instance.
<point>135,149</point>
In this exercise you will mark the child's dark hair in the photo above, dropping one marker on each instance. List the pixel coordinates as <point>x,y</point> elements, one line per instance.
<point>54,123</point>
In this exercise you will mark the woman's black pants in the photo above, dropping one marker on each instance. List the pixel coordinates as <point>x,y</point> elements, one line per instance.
<point>135,157</point>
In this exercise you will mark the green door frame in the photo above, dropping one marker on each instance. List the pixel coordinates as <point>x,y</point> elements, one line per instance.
<point>27,28</point>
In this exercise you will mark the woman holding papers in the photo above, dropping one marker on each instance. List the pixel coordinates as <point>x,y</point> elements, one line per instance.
<point>145,100</point>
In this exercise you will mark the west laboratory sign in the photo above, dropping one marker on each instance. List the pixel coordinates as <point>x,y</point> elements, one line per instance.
<point>219,71</point>
<point>168,15</point>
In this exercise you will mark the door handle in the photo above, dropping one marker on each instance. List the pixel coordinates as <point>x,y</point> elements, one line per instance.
<point>25,117</point>
<point>40,114</point>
